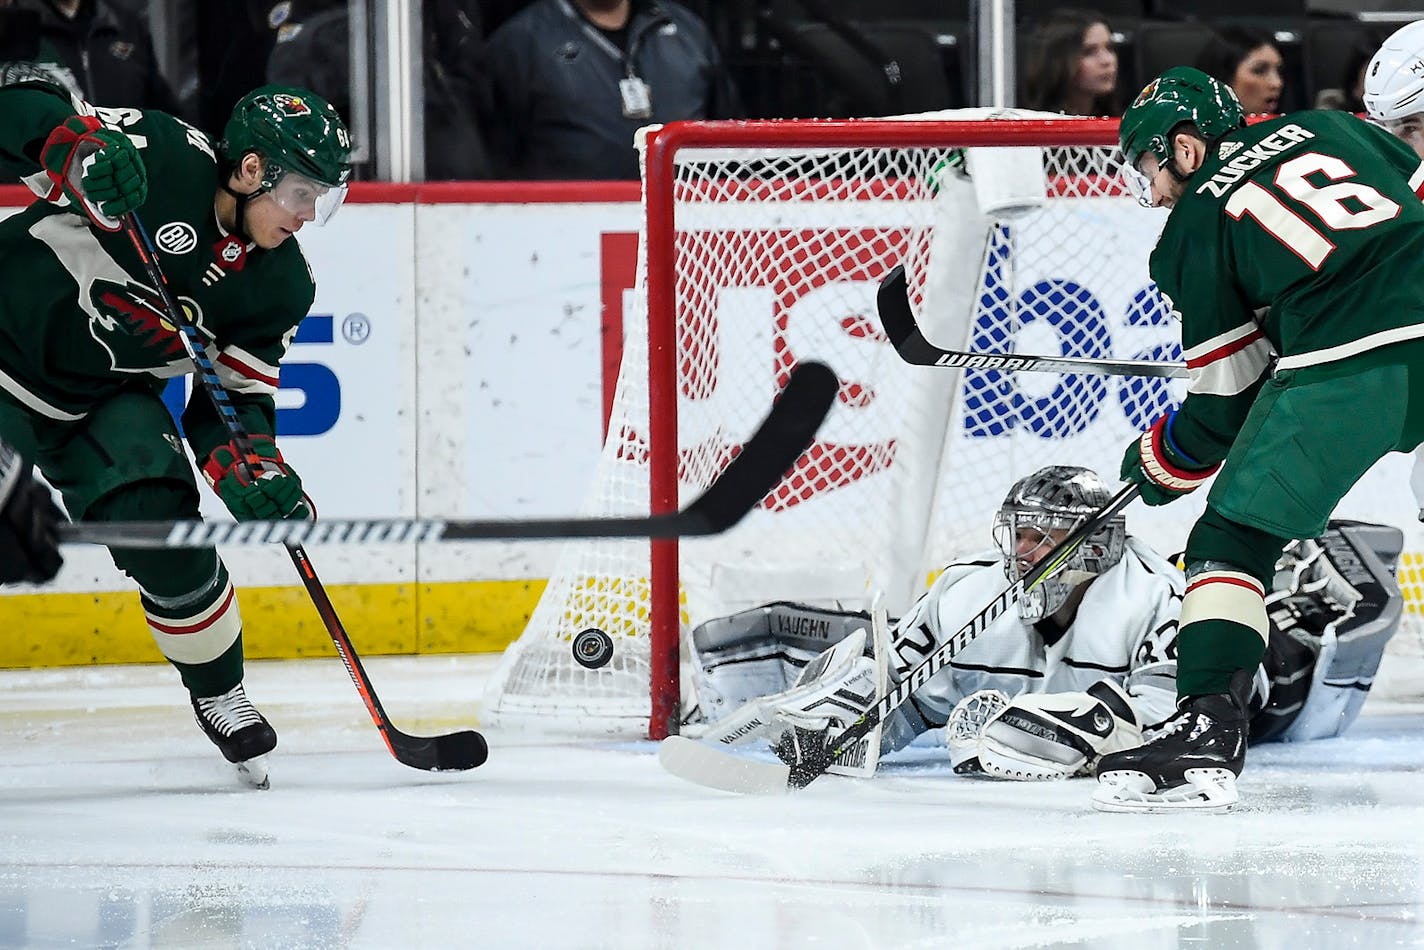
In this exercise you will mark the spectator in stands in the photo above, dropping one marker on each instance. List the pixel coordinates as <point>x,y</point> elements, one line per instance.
<point>1350,95</point>
<point>566,83</point>
<point>100,50</point>
<point>1248,62</point>
<point>1072,66</point>
<point>310,48</point>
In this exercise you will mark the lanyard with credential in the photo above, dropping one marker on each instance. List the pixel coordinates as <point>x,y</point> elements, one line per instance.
<point>637,97</point>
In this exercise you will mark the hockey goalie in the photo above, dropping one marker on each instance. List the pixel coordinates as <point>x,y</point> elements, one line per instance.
<point>1084,665</point>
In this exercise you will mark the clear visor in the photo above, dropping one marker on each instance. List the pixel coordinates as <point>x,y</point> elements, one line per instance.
<point>1403,127</point>
<point>1138,177</point>
<point>1409,129</point>
<point>307,199</point>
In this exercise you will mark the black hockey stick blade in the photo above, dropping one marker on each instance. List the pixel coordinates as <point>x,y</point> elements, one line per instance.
<point>898,320</point>
<point>783,436</point>
<point>450,752</point>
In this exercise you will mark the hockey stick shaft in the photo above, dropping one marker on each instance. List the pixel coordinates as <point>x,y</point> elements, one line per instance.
<point>783,436</point>
<point>453,751</point>
<point>898,320</point>
<point>806,772</point>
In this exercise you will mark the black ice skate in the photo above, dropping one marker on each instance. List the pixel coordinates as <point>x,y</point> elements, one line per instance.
<point>239,731</point>
<point>1190,764</point>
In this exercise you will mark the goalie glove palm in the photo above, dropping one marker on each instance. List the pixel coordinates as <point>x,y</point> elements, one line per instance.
<point>1043,736</point>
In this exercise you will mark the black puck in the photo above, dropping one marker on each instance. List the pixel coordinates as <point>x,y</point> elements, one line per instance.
<point>593,648</point>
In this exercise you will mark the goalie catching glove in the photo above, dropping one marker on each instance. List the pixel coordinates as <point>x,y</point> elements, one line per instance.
<point>1042,736</point>
<point>274,492</point>
<point>98,169</point>
<point>1163,470</point>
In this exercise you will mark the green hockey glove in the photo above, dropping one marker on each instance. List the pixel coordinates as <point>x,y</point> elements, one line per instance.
<point>1164,471</point>
<point>276,492</point>
<point>98,169</point>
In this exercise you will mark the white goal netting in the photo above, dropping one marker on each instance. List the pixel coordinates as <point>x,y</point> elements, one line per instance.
<point>764,246</point>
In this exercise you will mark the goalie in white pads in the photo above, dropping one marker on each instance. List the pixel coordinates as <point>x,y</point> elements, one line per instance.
<point>1076,670</point>
<point>1084,668</point>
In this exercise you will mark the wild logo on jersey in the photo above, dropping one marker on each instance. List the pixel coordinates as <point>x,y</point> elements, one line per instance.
<point>128,322</point>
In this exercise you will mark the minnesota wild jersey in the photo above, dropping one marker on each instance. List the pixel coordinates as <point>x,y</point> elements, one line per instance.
<point>1299,240</point>
<point>78,321</point>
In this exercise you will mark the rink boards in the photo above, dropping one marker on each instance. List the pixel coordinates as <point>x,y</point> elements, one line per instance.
<point>458,361</point>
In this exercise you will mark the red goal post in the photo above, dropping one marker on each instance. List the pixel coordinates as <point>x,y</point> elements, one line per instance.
<point>660,186</point>
<point>762,245</point>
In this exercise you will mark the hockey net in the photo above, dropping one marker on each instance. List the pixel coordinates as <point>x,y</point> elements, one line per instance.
<point>764,244</point>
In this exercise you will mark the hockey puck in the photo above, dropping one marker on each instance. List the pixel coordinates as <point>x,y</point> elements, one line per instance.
<point>593,648</point>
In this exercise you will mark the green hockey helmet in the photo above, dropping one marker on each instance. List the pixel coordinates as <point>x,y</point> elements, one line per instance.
<point>305,148</point>
<point>1180,94</point>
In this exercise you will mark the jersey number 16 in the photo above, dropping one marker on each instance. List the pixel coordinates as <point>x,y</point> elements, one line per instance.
<point>1328,204</point>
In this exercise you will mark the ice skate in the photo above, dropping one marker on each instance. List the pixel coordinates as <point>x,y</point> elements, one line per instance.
<point>1190,765</point>
<point>239,731</point>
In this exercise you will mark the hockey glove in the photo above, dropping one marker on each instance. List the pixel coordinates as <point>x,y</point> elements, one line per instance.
<point>276,492</point>
<point>833,691</point>
<point>29,541</point>
<point>1163,471</point>
<point>1056,735</point>
<point>98,169</point>
<point>966,724</point>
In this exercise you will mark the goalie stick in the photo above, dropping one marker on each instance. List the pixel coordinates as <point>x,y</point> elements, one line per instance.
<point>694,760</point>
<point>450,752</point>
<point>898,320</point>
<point>783,436</point>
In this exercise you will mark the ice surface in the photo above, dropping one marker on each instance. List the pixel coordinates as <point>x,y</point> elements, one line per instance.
<point>120,826</point>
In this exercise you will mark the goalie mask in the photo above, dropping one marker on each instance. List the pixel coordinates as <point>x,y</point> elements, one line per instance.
<point>1038,512</point>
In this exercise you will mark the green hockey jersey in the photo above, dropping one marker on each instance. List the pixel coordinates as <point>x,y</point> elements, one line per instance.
<point>1299,241</point>
<point>78,320</point>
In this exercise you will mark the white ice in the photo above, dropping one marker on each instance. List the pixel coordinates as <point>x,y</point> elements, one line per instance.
<point>120,826</point>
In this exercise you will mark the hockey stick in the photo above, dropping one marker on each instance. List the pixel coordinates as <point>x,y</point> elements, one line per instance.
<point>786,432</point>
<point>898,320</point>
<point>693,760</point>
<point>455,751</point>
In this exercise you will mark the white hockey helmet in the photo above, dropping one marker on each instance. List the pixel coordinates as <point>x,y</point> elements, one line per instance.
<point>1394,79</point>
<point>1056,498</point>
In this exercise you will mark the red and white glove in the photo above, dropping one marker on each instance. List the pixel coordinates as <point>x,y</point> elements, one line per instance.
<point>274,492</point>
<point>1164,473</point>
<point>98,169</point>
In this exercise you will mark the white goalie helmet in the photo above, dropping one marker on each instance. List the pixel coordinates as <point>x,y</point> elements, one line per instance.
<point>1040,510</point>
<point>1394,79</point>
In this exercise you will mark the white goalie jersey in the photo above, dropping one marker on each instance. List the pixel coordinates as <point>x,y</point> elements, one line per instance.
<point>1125,630</point>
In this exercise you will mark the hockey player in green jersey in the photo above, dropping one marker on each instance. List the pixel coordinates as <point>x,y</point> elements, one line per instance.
<point>1292,257</point>
<point>85,350</point>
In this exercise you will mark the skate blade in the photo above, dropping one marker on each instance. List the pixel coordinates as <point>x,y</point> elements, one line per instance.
<point>253,772</point>
<point>1205,792</point>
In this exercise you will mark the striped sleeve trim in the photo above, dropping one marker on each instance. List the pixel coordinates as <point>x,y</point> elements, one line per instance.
<point>1416,181</point>
<point>245,373</point>
<point>1229,362</point>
